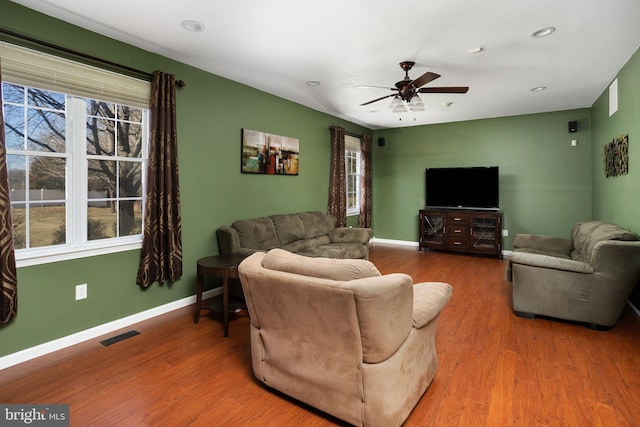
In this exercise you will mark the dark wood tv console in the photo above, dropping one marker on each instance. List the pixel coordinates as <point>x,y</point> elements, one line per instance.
<point>461,230</point>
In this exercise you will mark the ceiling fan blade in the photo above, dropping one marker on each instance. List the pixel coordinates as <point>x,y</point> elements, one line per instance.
<point>375,87</point>
<point>379,99</point>
<point>448,89</point>
<point>424,79</point>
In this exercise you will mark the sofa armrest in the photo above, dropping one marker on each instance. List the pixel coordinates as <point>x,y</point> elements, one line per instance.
<point>350,235</point>
<point>546,244</point>
<point>228,240</point>
<point>547,261</point>
<point>429,298</point>
<point>617,258</point>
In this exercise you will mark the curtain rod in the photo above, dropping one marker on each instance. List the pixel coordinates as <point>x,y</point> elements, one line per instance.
<point>346,132</point>
<point>76,54</point>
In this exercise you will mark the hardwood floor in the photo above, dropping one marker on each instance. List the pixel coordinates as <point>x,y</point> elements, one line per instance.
<point>495,369</point>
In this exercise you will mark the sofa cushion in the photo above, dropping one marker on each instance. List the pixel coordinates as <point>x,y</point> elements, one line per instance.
<point>296,246</point>
<point>324,268</point>
<point>257,233</point>
<point>585,235</point>
<point>336,250</point>
<point>289,228</point>
<point>349,235</point>
<point>316,224</point>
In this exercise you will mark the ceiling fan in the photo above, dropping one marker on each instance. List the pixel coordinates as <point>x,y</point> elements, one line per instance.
<point>406,88</point>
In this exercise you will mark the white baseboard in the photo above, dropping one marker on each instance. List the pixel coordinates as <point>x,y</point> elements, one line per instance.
<point>505,254</point>
<point>78,337</point>
<point>394,242</point>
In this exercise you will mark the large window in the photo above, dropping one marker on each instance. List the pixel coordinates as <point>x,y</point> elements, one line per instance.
<point>353,174</point>
<point>76,170</point>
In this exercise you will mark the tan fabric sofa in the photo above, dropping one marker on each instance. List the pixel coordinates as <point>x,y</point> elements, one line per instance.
<point>311,234</point>
<point>587,278</point>
<point>341,337</point>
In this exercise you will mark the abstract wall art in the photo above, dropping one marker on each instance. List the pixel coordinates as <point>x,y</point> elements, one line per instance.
<point>265,153</point>
<point>616,157</point>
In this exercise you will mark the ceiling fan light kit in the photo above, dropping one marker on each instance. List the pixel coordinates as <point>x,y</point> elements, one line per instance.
<point>397,106</point>
<point>407,90</point>
<point>416,104</point>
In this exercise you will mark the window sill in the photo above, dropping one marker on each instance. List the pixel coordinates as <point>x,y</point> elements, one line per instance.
<point>47,256</point>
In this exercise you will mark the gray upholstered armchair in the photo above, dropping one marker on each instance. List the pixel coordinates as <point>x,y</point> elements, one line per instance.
<point>341,337</point>
<point>587,278</point>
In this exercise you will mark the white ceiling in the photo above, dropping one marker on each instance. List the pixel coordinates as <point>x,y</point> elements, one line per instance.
<point>278,45</point>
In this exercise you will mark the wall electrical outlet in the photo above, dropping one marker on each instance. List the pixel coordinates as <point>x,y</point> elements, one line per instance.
<point>505,233</point>
<point>81,291</point>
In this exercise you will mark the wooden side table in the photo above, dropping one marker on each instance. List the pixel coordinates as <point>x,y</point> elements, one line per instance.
<point>225,267</point>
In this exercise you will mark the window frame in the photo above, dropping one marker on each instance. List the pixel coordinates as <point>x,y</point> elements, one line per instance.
<point>114,88</point>
<point>353,152</point>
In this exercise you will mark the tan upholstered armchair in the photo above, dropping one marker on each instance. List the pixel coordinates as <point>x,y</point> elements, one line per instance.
<point>339,336</point>
<point>587,278</point>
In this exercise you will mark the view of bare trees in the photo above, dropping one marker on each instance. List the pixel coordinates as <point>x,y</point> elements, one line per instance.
<point>36,137</point>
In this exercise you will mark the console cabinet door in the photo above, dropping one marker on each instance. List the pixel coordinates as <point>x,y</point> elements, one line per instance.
<point>486,233</point>
<point>431,225</point>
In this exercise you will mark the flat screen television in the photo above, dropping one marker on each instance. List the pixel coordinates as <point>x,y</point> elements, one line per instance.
<point>462,187</point>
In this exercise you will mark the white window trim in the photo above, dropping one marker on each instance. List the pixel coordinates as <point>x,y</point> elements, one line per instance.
<point>32,68</point>
<point>56,254</point>
<point>353,144</point>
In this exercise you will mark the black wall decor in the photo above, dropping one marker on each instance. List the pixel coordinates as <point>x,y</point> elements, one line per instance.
<point>616,157</point>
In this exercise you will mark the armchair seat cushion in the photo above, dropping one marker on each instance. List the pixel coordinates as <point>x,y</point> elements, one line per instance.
<point>544,245</point>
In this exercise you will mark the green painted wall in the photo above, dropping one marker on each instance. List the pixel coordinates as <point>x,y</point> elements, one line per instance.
<point>545,183</point>
<point>616,198</point>
<point>211,113</point>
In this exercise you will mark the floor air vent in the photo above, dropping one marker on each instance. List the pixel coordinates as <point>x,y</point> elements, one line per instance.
<point>119,338</point>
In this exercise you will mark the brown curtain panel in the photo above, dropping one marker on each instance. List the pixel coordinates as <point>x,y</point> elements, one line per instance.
<point>364,220</point>
<point>337,205</point>
<point>161,256</point>
<point>8,278</point>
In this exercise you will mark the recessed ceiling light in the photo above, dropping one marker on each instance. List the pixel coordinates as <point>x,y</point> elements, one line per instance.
<point>542,32</point>
<point>313,83</point>
<point>538,88</point>
<point>193,26</point>
<point>476,49</point>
